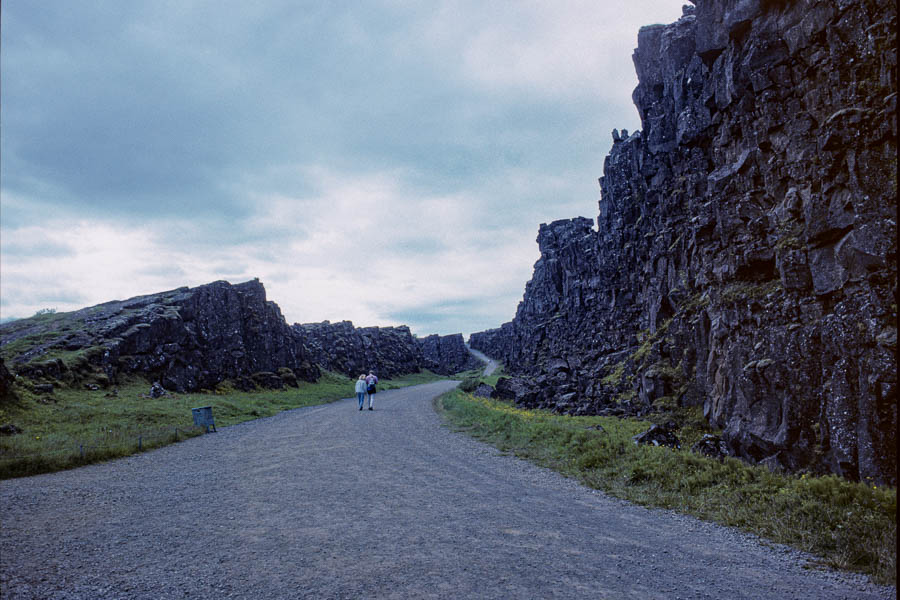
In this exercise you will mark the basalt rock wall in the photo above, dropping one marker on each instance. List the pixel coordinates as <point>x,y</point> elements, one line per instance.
<point>745,252</point>
<point>352,351</point>
<point>447,354</point>
<point>188,339</point>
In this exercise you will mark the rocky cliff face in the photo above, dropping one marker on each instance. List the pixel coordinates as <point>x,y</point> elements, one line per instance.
<point>6,384</point>
<point>352,351</point>
<point>745,254</point>
<point>387,351</point>
<point>447,354</point>
<point>193,338</point>
<point>188,339</point>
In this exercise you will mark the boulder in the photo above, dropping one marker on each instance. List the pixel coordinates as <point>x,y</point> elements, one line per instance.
<point>483,391</point>
<point>658,435</point>
<point>712,446</point>
<point>9,429</point>
<point>515,389</point>
<point>268,380</point>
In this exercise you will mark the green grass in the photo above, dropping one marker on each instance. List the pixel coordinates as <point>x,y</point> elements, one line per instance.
<point>848,525</point>
<point>83,426</point>
<point>470,374</point>
<point>473,377</point>
<point>423,376</point>
<point>491,379</point>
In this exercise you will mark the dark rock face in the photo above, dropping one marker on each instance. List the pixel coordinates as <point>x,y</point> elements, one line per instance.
<point>352,351</point>
<point>193,338</point>
<point>6,383</point>
<point>387,351</point>
<point>745,254</point>
<point>186,339</point>
<point>446,354</point>
<point>516,389</point>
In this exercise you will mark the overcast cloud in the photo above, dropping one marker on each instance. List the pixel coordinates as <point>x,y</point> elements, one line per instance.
<point>386,162</point>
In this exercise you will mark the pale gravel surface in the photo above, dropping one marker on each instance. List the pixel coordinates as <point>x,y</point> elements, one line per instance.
<point>330,502</point>
<point>490,365</point>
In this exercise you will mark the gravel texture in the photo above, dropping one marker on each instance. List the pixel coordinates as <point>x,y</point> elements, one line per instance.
<point>330,502</point>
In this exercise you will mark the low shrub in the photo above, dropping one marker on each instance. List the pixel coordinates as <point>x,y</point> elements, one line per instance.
<point>470,384</point>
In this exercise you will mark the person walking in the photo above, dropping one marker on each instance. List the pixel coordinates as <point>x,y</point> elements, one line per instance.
<point>371,380</point>
<point>361,390</point>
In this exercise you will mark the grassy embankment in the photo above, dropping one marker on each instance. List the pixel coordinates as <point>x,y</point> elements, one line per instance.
<point>79,426</point>
<point>848,525</point>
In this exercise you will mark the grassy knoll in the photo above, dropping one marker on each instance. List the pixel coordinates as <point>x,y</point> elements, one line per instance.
<point>79,426</point>
<point>849,525</point>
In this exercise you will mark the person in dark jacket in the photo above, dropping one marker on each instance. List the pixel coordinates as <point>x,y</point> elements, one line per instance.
<point>371,381</point>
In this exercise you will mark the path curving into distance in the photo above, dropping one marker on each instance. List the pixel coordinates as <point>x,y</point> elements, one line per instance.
<point>490,365</point>
<point>330,502</point>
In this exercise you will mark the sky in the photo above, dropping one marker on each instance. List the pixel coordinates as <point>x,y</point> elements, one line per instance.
<point>386,162</point>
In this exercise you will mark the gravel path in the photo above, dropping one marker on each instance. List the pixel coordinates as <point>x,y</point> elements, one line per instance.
<point>490,365</point>
<point>330,502</point>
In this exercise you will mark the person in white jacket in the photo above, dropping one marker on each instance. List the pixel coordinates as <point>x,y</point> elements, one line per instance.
<point>361,390</point>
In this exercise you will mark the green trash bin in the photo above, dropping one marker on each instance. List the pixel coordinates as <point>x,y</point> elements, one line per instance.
<point>203,417</point>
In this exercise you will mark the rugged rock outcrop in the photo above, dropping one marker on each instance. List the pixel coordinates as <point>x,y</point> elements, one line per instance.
<point>6,384</point>
<point>187,339</point>
<point>193,338</point>
<point>745,254</point>
<point>447,354</point>
<point>351,351</point>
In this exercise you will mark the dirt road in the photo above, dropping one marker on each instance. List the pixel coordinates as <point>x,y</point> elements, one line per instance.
<point>331,502</point>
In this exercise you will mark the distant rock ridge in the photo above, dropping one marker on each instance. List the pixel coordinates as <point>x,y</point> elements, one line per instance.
<point>745,252</point>
<point>447,354</point>
<point>191,339</point>
<point>387,351</point>
<point>352,351</point>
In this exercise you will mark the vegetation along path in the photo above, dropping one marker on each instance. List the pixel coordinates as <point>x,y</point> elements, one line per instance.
<point>330,502</point>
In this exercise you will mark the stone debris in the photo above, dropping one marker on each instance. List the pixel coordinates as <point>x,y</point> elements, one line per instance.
<point>712,446</point>
<point>659,435</point>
